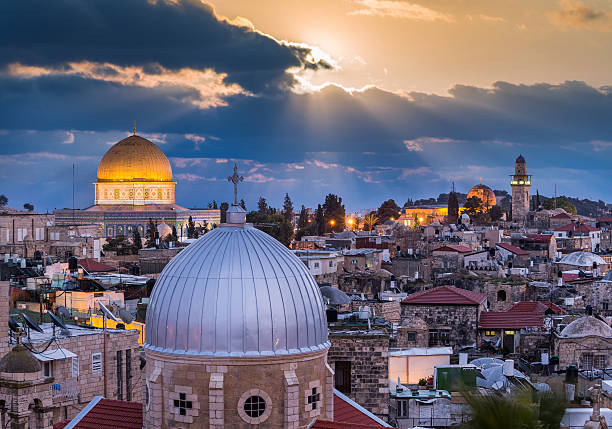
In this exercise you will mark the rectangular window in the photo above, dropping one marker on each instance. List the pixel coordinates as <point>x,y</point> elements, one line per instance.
<point>411,337</point>
<point>96,363</point>
<point>75,366</point>
<point>489,333</point>
<point>354,261</point>
<point>331,264</point>
<point>316,265</point>
<point>509,332</point>
<point>605,305</point>
<point>342,376</point>
<point>48,369</point>
<point>402,408</point>
<point>128,375</point>
<point>587,361</point>
<point>119,375</point>
<point>8,235</point>
<point>599,361</point>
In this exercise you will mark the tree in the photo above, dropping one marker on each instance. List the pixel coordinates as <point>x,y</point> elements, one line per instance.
<point>303,219</point>
<point>319,220</point>
<point>388,210</point>
<point>262,206</point>
<point>334,214</point>
<point>136,240</point>
<point>242,204</point>
<point>119,244</point>
<point>520,409</point>
<point>272,224</point>
<point>151,234</point>
<point>3,200</point>
<point>472,206</point>
<point>191,228</point>
<point>224,207</point>
<point>369,221</point>
<point>453,208</point>
<point>288,209</point>
<point>28,207</point>
<point>562,203</point>
<point>538,203</point>
<point>495,213</point>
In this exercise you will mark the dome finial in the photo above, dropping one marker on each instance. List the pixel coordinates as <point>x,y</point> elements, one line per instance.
<point>235,179</point>
<point>134,127</point>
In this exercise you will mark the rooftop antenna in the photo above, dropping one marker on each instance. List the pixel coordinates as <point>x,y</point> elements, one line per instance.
<point>555,196</point>
<point>453,186</point>
<point>134,128</point>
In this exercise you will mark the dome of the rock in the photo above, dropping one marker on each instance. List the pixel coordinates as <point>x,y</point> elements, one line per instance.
<point>484,193</point>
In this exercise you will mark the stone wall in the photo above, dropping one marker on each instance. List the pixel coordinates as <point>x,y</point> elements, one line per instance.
<point>368,352</point>
<point>571,350</point>
<point>460,321</point>
<point>531,343</point>
<point>598,295</point>
<point>214,390</point>
<point>389,310</point>
<point>497,291</point>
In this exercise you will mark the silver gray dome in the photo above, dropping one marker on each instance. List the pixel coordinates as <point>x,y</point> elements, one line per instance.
<point>586,326</point>
<point>582,259</point>
<point>236,291</point>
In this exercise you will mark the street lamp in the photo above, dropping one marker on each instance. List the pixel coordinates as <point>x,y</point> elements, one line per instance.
<point>332,222</point>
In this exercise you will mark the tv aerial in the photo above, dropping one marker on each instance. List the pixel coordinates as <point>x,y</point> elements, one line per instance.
<point>109,314</point>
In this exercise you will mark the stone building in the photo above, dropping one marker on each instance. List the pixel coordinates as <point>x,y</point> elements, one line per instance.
<point>360,359</point>
<point>388,310</point>
<point>586,342</point>
<point>450,256</point>
<point>451,314</point>
<point>74,369</point>
<point>520,183</point>
<point>412,332</point>
<point>236,336</point>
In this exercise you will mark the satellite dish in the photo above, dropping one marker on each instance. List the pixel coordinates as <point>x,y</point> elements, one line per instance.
<point>63,312</point>
<point>13,325</point>
<point>31,324</point>
<point>107,312</point>
<point>56,321</point>
<point>126,316</point>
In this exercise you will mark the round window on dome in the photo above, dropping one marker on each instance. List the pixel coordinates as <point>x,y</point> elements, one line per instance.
<point>254,406</point>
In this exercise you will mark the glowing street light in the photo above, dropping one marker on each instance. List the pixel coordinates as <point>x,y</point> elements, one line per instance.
<point>332,222</point>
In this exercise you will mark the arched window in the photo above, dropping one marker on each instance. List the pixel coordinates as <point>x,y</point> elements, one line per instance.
<point>501,295</point>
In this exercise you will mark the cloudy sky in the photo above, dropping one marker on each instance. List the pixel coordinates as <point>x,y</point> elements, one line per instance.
<point>370,99</point>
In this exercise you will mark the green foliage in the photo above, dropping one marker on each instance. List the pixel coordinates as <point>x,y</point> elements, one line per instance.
<point>303,219</point>
<point>136,240</point>
<point>151,233</point>
<point>521,409</point>
<point>387,210</point>
<point>472,206</point>
<point>333,210</point>
<point>319,220</point>
<point>3,200</point>
<point>562,203</point>
<point>273,224</point>
<point>495,213</point>
<point>28,207</point>
<point>453,207</point>
<point>224,207</point>
<point>119,244</point>
<point>242,204</point>
<point>262,205</point>
<point>191,228</point>
<point>288,209</point>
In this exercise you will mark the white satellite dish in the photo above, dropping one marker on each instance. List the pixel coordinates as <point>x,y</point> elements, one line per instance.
<point>107,312</point>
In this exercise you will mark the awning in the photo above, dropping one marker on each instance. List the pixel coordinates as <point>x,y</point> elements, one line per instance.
<point>56,354</point>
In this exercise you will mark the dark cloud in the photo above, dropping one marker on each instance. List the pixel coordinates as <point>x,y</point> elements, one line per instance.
<point>149,34</point>
<point>575,13</point>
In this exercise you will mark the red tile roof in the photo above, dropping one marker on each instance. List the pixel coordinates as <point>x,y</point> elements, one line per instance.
<point>109,413</point>
<point>561,216</point>
<point>509,320</point>
<point>513,249</point>
<point>581,227</point>
<point>448,295</point>
<point>554,307</point>
<point>93,266</point>
<point>543,238</point>
<point>453,248</point>
<point>535,307</point>
<point>346,412</point>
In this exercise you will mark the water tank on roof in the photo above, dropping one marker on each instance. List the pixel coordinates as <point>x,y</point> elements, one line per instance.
<point>364,312</point>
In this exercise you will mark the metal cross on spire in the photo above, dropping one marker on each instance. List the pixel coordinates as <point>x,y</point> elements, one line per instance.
<point>235,179</point>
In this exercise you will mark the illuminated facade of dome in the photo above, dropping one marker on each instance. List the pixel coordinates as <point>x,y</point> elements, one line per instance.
<point>484,193</point>
<point>134,171</point>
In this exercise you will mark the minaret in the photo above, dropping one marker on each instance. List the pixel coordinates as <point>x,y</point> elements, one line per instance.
<point>521,182</point>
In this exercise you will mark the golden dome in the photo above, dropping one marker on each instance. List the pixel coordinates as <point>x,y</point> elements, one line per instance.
<point>134,159</point>
<point>484,193</point>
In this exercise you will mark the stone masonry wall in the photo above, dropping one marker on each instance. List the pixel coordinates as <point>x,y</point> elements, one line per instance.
<point>461,321</point>
<point>368,353</point>
<point>389,310</point>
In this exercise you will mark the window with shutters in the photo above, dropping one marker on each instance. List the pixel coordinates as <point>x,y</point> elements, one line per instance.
<point>96,363</point>
<point>119,375</point>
